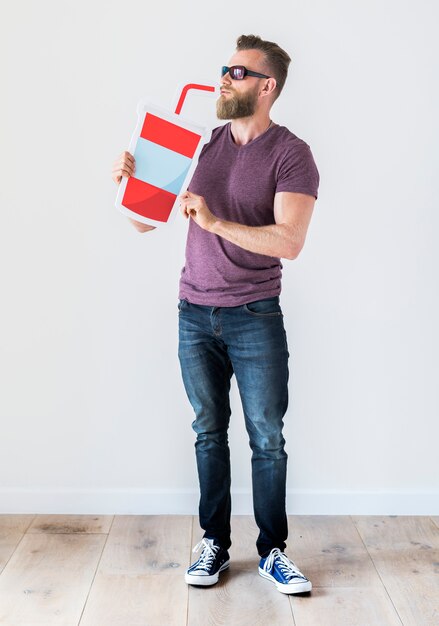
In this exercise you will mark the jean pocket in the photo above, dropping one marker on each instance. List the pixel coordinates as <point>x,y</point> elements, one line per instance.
<point>269,307</point>
<point>181,304</point>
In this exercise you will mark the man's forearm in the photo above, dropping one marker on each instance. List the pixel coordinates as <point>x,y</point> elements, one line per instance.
<point>276,240</point>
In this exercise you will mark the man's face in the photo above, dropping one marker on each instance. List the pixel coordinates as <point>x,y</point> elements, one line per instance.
<point>239,98</point>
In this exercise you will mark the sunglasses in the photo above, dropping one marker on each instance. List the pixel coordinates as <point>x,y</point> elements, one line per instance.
<point>239,72</point>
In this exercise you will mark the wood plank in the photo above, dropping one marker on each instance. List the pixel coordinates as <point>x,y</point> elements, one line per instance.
<point>240,598</point>
<point>12,529</point>
<point>19,523</point>
<point>243,551</point>
<point>405,551</point>
<point>140,579</point>
<point>344,606</point>
<point>148,544</point>
<point>71,524</point>
<point>330,552</point>
<point>48,578</point>
<point>137,600</point>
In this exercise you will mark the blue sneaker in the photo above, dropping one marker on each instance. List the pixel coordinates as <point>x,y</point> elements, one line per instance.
<point>284,573</point>
<point>212,561</point>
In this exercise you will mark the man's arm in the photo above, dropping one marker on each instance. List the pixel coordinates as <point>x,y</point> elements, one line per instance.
<point>284,239</point>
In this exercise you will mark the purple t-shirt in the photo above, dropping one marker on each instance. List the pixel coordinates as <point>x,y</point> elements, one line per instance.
<point>239,184</point>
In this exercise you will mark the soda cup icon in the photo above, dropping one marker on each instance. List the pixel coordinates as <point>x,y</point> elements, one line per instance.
<point>166,148</point>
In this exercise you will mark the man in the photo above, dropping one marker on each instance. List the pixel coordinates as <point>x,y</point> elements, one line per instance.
<point>250,203</point>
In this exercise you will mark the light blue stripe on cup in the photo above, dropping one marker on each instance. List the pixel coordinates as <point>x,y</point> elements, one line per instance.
<point>159,166</point>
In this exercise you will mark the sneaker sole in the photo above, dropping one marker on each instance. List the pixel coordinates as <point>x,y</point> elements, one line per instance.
<point>205,581</point>
<point>298,587</point>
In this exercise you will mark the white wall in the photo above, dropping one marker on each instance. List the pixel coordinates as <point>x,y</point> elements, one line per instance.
<point>93,411</point>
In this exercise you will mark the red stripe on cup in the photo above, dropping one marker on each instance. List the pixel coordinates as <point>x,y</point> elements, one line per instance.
<point>170,135</point>
<point>147,200</point>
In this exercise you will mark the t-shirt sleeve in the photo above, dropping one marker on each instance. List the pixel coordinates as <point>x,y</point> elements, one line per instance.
<point>298,171</point>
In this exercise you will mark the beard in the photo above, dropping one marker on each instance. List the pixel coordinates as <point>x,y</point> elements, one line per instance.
<point>236,105</point>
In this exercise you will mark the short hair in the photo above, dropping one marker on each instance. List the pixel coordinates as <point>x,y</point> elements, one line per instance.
<point>276,58</point>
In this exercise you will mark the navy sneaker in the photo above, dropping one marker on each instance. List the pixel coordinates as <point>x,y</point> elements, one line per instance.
<point>212,561</point>
<point>284,573</point>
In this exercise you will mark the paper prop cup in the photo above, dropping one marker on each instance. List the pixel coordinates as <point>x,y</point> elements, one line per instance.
<point>166,148</point>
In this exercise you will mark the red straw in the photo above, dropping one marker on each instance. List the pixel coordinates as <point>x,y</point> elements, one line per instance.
<point>186,89</point>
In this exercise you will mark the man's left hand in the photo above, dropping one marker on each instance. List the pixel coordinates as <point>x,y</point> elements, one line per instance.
<point>195,207</point>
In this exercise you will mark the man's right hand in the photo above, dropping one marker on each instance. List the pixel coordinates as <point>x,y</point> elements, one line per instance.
<point>125,165</point>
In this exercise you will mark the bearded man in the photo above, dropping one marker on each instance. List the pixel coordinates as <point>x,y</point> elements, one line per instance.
<point>249,204</point>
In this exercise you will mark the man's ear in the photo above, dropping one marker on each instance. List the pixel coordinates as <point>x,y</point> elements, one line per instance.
<point>269,87</point>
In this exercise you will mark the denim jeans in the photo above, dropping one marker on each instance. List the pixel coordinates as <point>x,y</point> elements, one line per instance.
<point>250,342</point>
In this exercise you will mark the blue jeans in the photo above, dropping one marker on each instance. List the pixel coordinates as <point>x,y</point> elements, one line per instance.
<point>249,341</point>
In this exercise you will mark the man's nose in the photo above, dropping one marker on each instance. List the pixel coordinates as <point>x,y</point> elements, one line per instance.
<point>226,80</point>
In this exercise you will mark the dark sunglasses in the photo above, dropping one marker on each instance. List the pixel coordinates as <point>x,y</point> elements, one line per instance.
<point>239,72</point>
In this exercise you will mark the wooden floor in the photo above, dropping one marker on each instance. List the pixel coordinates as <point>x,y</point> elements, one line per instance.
<point>129,571</point>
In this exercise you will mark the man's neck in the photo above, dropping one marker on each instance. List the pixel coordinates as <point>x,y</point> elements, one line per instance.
<point>245,129</point>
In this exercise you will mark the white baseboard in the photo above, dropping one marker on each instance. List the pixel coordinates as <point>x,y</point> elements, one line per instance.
<point>185,502</point>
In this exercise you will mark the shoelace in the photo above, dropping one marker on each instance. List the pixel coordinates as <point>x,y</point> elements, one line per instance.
<point>288,568</point>
<point>208,554</point>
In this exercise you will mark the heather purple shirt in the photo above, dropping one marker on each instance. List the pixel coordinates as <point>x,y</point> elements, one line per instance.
<point>239,184</point>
